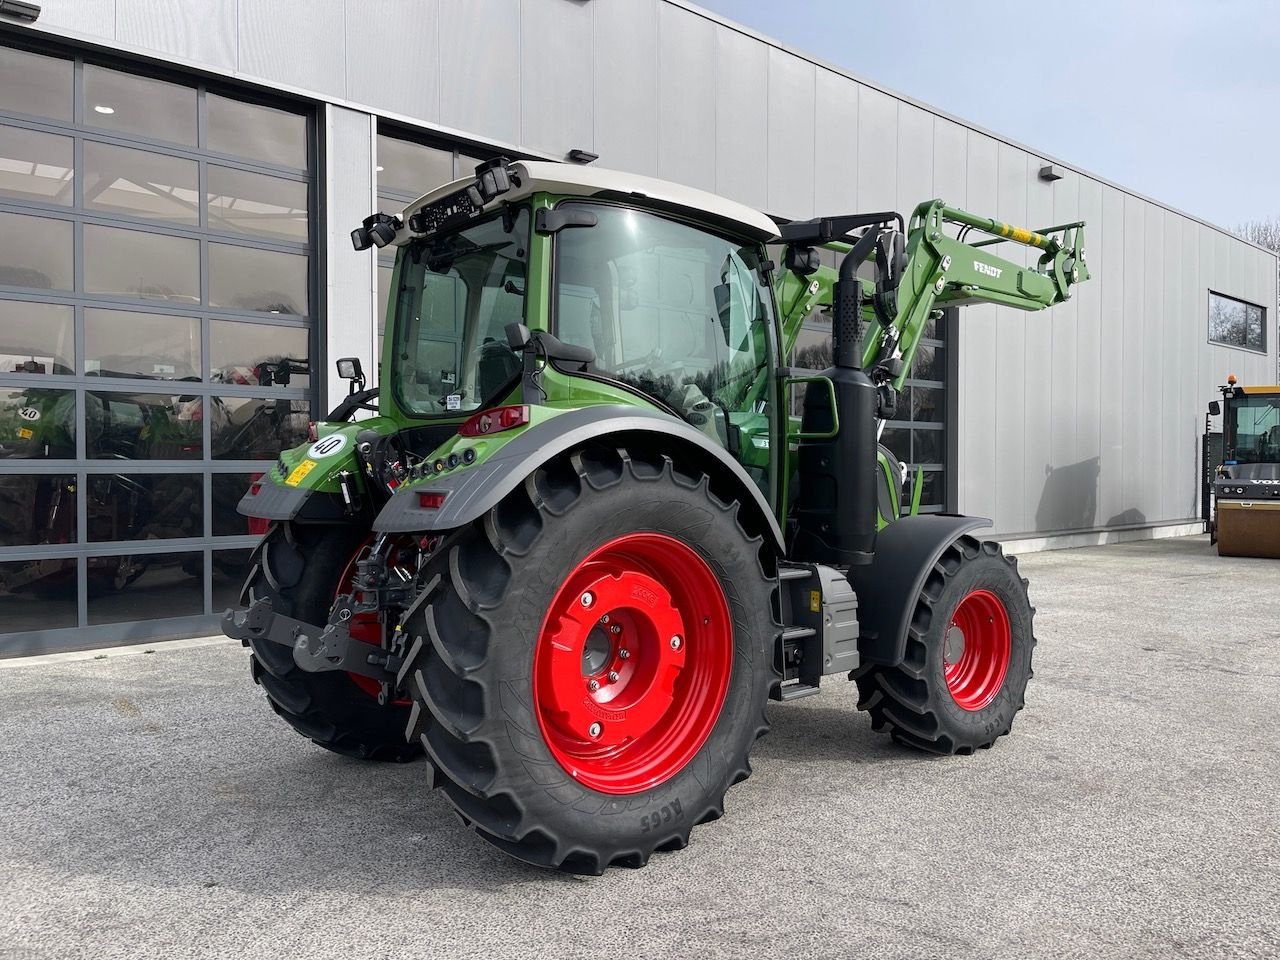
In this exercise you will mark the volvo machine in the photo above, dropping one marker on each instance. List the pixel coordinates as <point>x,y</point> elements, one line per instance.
<point>585,527</point>
<point>1244,515</point>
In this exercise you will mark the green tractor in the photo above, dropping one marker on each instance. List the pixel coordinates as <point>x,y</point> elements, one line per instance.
<point>576,539</point>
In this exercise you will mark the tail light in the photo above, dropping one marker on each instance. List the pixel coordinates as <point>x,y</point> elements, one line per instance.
<point>494,420</point>
<point>431,499</point>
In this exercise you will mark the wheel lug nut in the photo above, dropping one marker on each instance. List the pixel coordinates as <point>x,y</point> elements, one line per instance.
<point>624,654</point>
<point>613,676</point>
<point>595,730</point>
<point>588,599</point>
<point>676,642</point>
<point>615,628</point>
<point>605,618</point>
<point>593,685</point>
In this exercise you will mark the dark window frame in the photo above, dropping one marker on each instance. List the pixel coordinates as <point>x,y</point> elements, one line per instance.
<point>1209,338</point>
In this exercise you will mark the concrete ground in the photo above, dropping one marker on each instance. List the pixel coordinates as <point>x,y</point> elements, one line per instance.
<point>152,806</point>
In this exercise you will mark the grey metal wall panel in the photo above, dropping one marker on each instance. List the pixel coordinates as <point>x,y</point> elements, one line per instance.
<point>835,161</point>
<point>1068,485</point>
<point>81,18</point>
<point>915,158</point>
<point>351,284</point>
<point>978,407</point>
<point>791,135</point>
<point>1042,499</point>
<point>626,76</point>
<point>686,98</point>
<point>1111,355</point>
<point>1087,337</point>
<point>480,68</point>
<point>950,164</point>
<point>557,59</point>
<point>877,150</point>
<point>1151,413</point>
<point>1013,512</point>
<point>202,32</point>
<point>742,119</point>
<point>393,57</point>
<point>299,43</point>
<point>1133,344</point>
<point>1177,425</point>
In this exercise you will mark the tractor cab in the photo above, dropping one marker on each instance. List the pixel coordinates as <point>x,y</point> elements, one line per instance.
<point>1245,515</point>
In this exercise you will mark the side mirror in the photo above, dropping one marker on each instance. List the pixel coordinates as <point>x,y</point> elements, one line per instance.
<point>1215,408</point>
<point>800,260</point>
<point>349,369</point>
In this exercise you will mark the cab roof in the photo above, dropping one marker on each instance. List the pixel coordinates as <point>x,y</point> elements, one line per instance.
<point>579,180</point>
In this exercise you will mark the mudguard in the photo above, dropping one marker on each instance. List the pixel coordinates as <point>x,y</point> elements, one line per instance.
<point>906,551</point>
<point>472,491</point>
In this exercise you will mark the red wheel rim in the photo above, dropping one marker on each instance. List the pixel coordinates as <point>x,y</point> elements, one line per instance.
<point>975,650</point>
<point>364,626</point>
<point>632,664</point>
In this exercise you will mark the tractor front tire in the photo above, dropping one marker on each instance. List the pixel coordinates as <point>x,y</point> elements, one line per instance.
<point>302,570</point>
<point>597,657</point>
<point>968,655</point>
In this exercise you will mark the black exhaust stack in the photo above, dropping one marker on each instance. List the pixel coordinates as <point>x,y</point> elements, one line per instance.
<point>836,503</point>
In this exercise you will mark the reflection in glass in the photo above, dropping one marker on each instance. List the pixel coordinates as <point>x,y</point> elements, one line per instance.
<point>35,252</point>
<point>36,166</point>
<point>928,363</point>
<point>145,587</point>
<point>37,509</point>
<point>36,337</point>
<point>385,272</point>
<point>255,353</point>
<point>230,567</point>
<point>140,184</point>
<point>154,108</point>
<point>251,428</point>
<point>898,440</point>
<point>118,343</point>
<point>35,84</point>
<point>256,132</point>
<point>143,426</point>
<point>243,202</point>
<point>145,506</point>
<point>228,488</point>
<point>930,446</point>
<point>37,594</point>
<point>247,279</point>
<point>411,168</point>
<point>935,489</point>
<point>37,423</point>
<point>130,263</point>
<point>927,404</point>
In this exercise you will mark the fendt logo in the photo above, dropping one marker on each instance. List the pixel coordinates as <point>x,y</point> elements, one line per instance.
<point>989,270</point>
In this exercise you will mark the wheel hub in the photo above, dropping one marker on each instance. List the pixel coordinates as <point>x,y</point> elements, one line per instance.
<point>623,701</point>
<point>975,650</point>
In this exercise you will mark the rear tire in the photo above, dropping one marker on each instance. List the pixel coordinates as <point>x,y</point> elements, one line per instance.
<point>501,683</point>
<point>299,569</point>
<point>968,655</point>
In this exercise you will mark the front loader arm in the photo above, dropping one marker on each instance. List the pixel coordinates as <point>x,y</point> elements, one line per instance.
<point>942,271</point>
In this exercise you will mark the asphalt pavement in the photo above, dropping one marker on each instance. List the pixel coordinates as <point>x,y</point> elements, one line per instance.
<point>151,805</point>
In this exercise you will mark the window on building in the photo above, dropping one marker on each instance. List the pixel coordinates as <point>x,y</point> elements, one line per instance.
<point>1237,323</point>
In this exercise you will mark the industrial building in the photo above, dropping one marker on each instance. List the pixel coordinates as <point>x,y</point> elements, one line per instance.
<point>178,182</point>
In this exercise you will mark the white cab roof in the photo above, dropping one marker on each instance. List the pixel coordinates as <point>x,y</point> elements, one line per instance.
<point>579,180</point>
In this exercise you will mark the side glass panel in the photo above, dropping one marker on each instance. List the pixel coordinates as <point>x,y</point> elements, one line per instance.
<point>239,351</point>
<point>455,303</point>
<point>127,103</point>
<point>230,567</point>
<point>140,184</point>
<point>672,311</point>
<point>148,345</point>
<point>130,263</point>
<point>145,587</point>
<point>37,509</point>
<point>1255,434</point>
<point>35,84</point>
<point>252,428</point>
<point>145,506</point>
<point>256,132</point>
<point>406,167</point>
<point>143,426</point>
<point>244,278</point>
<point>36,338</point>
<point>253,203</point>
<point>228,488</point>
<point>36,166</point>
<point>37,424</point>
<point>35,252</point>
<point>37,594</point>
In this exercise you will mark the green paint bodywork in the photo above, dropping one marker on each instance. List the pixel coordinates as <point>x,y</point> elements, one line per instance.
<point>941,271</point>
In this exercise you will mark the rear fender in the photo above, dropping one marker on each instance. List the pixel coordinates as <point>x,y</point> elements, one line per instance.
<point>906,551</point>
<point>472,491</point>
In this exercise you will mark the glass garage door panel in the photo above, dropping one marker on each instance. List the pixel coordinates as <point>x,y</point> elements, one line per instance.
<point>156,243</point>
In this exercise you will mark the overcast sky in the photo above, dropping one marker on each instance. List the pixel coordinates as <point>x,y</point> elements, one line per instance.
<point>1176,99</point>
